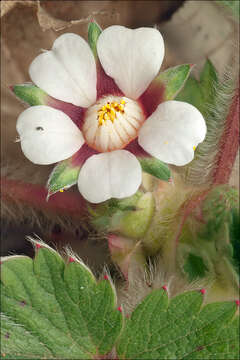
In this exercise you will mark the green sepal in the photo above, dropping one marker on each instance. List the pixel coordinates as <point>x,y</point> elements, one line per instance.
<point>172,80</point>
<point>64,175</point>
<point>94,31</point>
<point>155,167</point>
<point>54,310</point>
<point>30,94</point>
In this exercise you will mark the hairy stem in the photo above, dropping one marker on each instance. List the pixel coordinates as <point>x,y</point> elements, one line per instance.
<point>229,144</point>
<point>35,195</point>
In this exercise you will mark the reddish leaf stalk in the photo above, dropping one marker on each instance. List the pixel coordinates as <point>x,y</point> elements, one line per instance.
<point>229,144</point>
<point>188,210</point>
<point>35,195</point>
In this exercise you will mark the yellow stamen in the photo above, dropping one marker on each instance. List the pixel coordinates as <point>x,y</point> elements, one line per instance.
<point>112,115</point>
<point>108,111</point>
<point>165,142</point>
<point>106,116</point>
<point>61,190</point>
<point>194,148</point>
<point>100,118</point>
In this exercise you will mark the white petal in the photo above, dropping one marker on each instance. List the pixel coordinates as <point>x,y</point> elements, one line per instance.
<point>172,132</point>
<point>131,57</point>
<point>68,71</point>
<point>47,135</point>
<point>112,174</point>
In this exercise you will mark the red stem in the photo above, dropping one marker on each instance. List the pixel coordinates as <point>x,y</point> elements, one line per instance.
<point>188,209</point>
<point>229,144</point>
<point>35,195</point>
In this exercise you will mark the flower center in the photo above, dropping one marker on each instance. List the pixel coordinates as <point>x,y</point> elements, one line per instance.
<point>112,123</point>
<point>108,111</point>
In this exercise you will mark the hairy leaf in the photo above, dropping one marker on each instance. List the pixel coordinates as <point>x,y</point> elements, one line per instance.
<point>55,310</point>
<point>213,99</point>
<point>180,329</point>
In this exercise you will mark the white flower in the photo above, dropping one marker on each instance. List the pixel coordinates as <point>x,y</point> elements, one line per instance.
<point>114,111</point>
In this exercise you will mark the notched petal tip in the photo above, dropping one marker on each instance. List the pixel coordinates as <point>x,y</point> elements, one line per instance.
<point>140,53</point>
<point>115,174</point>
<point>57,71</point>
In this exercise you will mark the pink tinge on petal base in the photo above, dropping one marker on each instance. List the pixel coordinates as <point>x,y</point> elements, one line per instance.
<point>32,95</point>
<point>105,84</point>
<point>136,149</point>
<point>76,113</point>
<point>152,97</point>
<point>82,155</point>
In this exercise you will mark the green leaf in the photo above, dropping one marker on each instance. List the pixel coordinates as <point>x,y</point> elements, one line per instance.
<point>30,94</point>
<point>54,310</point>
<point>217,208</point>
<point>192,93</point>
<point>94,31</point>
<point>155,167</point>
<point>212,98</point>
<point>179,329</point>
<point>201,93</point>
<point>173,80</point>
<point>208,77</point>
<point>64,175</point>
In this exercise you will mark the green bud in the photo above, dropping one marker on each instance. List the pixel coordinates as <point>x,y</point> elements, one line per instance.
<point>134,224</point>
